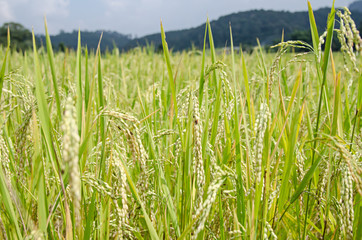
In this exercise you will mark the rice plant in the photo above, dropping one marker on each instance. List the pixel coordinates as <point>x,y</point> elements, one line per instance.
<point>184,145</point>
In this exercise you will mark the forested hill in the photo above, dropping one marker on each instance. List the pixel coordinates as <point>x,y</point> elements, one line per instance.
<point>91,39</point>
<point>247,26</point>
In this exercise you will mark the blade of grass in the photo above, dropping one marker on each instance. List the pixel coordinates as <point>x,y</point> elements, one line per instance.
<point>358,216</point>
<point>3,67</point>
<point>169,69</point>
<point>217,88</point>
<point>43,111</point>
<point>52,69</point>
<point>78,74</point>
<point>247,88</point>
<point>202,75</point>
<point>240,204</point>
<point>162,180</point>
<point>221,217</point>
<point>313,28</point>
<point>39,172</point>
<point>151,229</point>
<point>213,53</point>
<point>102,127</point>
<point>86,80</point>
<point>330,28</point>
<point>290,148</point>
<point>44,117</point>
<point>88,117</point>
<point>306,179</point>
<point>358,111</point>
<point>7,201</point>
<point>337,113</point>
<point>189,228</point>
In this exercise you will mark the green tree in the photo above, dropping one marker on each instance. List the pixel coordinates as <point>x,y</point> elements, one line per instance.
<point>21,37</point>
<point>61,47</point>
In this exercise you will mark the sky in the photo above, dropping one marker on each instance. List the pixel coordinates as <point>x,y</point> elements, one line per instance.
<point>135,17</point>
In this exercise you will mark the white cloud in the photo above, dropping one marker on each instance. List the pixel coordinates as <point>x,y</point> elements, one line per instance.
<point>5,12</point>
<point>30,13</point>
<point>50,7</point>
<point>115,4</point>
<point>15,9</point>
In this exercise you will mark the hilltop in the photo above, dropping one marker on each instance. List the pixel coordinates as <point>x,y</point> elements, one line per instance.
<point>110,39</point>
<point>266,25</point>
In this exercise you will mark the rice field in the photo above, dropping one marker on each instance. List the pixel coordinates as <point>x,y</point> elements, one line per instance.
<point>203,144</point>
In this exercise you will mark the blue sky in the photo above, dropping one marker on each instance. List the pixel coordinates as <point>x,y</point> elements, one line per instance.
<point>135,17</point>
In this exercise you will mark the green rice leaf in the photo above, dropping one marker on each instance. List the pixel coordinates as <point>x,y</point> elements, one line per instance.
<point>52,68</point>
<point>8,204</point>
<point>3,66</point>
<point>169,69</point>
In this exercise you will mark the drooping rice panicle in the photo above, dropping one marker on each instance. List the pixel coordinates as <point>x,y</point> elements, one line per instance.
<point>70,156</point>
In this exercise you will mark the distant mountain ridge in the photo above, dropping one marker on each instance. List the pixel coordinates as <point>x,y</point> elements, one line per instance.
<point>266,25</point>
<point>110,39</point>
<point>247,26</point>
